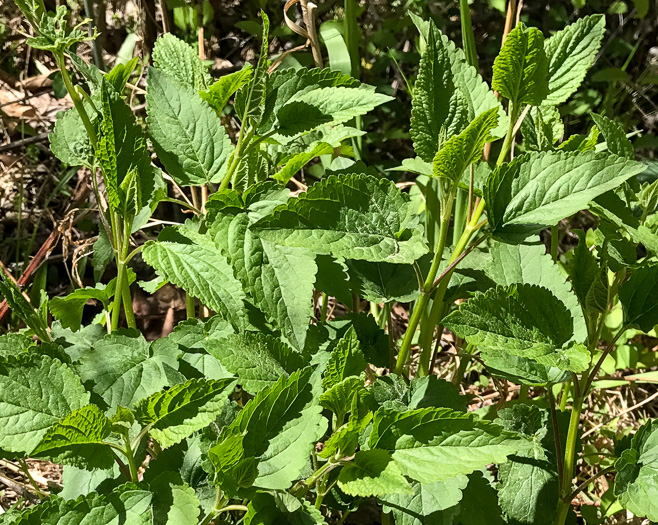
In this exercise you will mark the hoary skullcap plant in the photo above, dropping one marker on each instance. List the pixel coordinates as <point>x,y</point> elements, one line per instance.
<point>264,414</point>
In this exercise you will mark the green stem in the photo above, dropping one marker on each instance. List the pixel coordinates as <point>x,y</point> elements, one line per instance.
<point>128,304</point>
<point>589,480</point>
<point>134,474</point>
<point>523,393</point>
<point>564,396</point>
<point>118,296</point>
<point>554,241</point>
<point>190,307</point>
<point>77,101</point>
<point>468,37</point>
<point>234,161</point>
<point>564,502</point>
<point>461,210</point>
<point>343,517</point>
<point>423,300</point>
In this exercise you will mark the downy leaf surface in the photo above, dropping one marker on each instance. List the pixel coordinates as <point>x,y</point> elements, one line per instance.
<point>78,440</point>
<point>438,107</point>
<point>372,473</point>
<point>203,272</point>
<point>523,320</point>
<point>436,444</point>
<point>174,501</point>
<point>462,150</point>
<point>429,504</point>
<point>636,482</point>
<point>615,138</point>
<point>218,94</point>
<point>187,134</point>
<point>35,393</point>
<point>127,505</point>
<point>180,61</point>
<point>520,71</point>
<point>537,190</point>
<point>353,216</point>
<point>177,413</point>
<point>639,298</point>
<point>258,359</point>
<point>278,428</point>
<point>278,279</point>
<point>120,369</point>
<point>571,52</point>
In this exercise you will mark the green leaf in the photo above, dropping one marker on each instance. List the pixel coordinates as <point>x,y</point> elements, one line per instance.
<point>614,135</point>
<point>346,360</point>
<point>258,359</point>
<point>69,141</point>
<point>218,94</point>
<point>33,10</point>
<point>462,150</point>
<point>482,503</point>
<point>281,508</point>
<point>13,343</point>
<point>250,102</point>
<point>571,52</point>
<point>120,370</point>
<point>177,413</point>
<point>529,490</point>
<point>639,298</point>
<point>436,444</point>
<point>129,504</point>
<point>78,439</point>
<point>353,216</point>
<point>55,34</point>
<point>525,320</point>
<point>121,148</point>
<point>438,107</point>
<point>338,397</point>
<point>372,473</point>
<point>278,279</point>
<point>202,272</point>
<point>636,483</point>
<point>299,160</point>
<point>309,110</point>
<point>520,71</point>
<point>35,393</point>
<point>530,264</point>
<point>429,504</point>
<point>521,370</point>
<point>187,135</point>
<point>279,428</point>
<point>35,319</point>
<point>537,190</point>
<point>174,501</point>
<point>583,269</point>
<point>284,84</point>
<point>382,282</point>
<point>181,61</point>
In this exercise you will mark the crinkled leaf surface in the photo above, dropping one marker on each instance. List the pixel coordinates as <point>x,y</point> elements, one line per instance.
<point>258,359</point>
<point>120,369</point>
<point>203,272</point>
<point>429,504</point>
<point>78,439</point>
<point>279,428</point>
<point>177,413</point>
<point>352,216</point>
<point>372,473</point>
<point>530,264</point>
<point>436,444</point>
<point>520,71</point>
<point>636,483</point>
<point>35,393</point>
<point>187,134</point>
<point>639,298</point>
<point>181,61</point>
<point>460,151</point>
<point>571,52</point>
<point>537,190</point>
